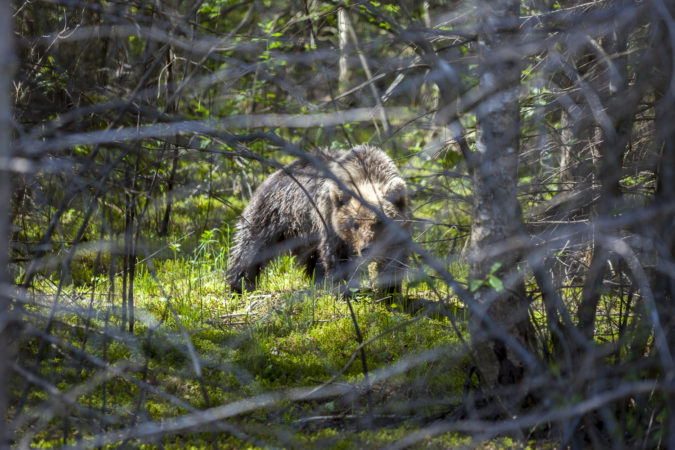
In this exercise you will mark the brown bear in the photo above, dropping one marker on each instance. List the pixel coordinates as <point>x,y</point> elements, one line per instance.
<point>336,213</point>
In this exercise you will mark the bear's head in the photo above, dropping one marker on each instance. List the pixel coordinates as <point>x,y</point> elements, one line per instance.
<point>370,224</point>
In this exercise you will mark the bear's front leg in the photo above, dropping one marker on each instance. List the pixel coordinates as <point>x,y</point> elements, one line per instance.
<point>391,271</point>
<point>250,254</point>
<point>334,265</point>
<point>243,271</point>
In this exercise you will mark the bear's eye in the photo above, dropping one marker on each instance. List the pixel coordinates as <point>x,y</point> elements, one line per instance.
<point>355,225</point>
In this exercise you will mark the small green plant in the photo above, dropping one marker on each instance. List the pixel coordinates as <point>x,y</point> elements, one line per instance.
<point>491,280</point>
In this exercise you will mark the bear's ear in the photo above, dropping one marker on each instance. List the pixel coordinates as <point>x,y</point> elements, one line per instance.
<point>338,196</point>
<point>399,198</point>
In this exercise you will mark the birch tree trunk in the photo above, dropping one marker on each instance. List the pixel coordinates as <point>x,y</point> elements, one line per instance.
<point>496,216</point>
<point>343,36</point>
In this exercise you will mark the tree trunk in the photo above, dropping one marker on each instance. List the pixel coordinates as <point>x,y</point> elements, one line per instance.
<point>664,281</point>
<point>171,108</point>
<point>343,36</point>
<point>6,63</point>
<point>496,214</point>
<point>164,226</point>
<point>664,285</point>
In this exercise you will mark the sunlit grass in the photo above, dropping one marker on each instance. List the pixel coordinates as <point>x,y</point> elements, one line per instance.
<point>287,333</point>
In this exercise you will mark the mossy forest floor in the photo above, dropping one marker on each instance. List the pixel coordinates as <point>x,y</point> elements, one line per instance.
<point>280,367</point>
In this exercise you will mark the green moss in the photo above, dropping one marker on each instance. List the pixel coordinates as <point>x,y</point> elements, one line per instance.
<point>287,334</point>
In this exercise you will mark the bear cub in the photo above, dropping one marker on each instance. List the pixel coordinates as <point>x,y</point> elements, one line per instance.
<point>334,229</point>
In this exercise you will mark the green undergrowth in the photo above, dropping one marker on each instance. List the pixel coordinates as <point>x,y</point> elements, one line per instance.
<point>195,345</point>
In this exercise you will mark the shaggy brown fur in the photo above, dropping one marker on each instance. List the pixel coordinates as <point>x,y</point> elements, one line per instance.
<point>334,231</point>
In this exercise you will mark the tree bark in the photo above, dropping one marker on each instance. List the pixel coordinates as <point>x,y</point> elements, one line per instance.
<point>343,36</point>
<point>6,63</point>
<point>496,216</point>
<point>664,285</point>
<point>664,282</point>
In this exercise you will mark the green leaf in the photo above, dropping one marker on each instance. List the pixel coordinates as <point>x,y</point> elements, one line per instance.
<point>475,284</point>
<point>495,283</point>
